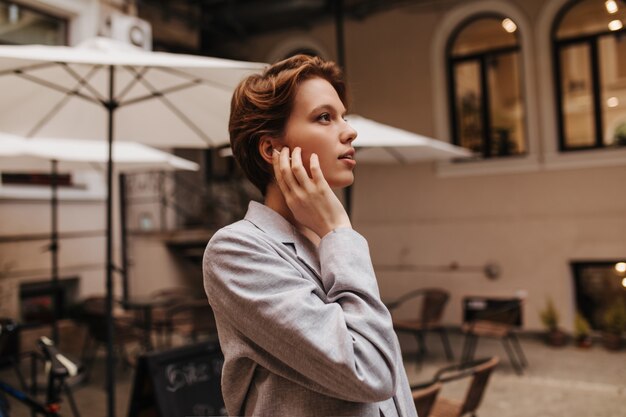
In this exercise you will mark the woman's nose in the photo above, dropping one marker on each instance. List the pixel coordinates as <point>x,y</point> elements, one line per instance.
<point>349,134</point>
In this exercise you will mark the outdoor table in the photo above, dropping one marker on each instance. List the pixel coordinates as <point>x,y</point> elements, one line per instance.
<point>145,304</point>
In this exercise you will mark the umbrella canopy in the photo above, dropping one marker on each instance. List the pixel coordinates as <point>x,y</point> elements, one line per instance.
<point>380,143</point>
<point>159,98</point>
<point>19,154</point>
<point>105,89</point>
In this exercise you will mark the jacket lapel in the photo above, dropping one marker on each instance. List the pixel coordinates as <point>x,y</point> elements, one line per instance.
<point>279,228</point>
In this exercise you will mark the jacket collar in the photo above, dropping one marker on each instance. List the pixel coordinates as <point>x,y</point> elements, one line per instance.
<point>280,229</point>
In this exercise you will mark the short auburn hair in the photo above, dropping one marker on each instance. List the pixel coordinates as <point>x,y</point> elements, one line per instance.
<point>262,104</point>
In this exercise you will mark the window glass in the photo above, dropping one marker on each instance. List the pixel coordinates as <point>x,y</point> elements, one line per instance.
<point>577,96</point>
<point>506,105</point>
<point>20,25</point>
<point>468,102</point>
<point>612,51</point>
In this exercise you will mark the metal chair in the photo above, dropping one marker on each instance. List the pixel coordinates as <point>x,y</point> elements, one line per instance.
<point>499,324</point>
<point>424,398</point>
<point>477,372</point>
<point>433,303</point>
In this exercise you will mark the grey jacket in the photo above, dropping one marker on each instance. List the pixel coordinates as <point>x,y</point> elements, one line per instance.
<point>302,328</point>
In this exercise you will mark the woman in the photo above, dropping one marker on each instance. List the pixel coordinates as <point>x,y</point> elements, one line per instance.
<point>296,302</point>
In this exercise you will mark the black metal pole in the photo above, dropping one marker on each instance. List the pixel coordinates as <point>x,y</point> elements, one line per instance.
<point>123,237</point>
<point>163,201</point>
<point>341,61</point>
<point>54,251</point>
<point>341,53</point>
<point>110,371</point>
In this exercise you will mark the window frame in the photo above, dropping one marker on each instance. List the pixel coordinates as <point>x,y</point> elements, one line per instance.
<point>557,46</point>
<point>482,58</point>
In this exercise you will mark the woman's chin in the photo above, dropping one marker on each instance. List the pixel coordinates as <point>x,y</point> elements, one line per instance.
<point>341,182</point>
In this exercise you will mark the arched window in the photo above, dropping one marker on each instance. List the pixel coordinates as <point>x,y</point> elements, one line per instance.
<point>486,104</point>
<point>590,73</point>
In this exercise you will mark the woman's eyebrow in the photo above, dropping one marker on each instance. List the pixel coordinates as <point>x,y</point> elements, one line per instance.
<point>328,108</point>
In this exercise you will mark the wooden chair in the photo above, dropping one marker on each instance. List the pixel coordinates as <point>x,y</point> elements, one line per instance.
<point>433,303</point>
<point>498,324</point>
<point>478,372</point>
<point>424,398</point>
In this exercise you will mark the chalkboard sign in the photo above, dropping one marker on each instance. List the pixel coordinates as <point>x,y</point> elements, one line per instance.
<point>179,382</point>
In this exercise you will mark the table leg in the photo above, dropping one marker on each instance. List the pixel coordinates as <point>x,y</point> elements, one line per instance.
<point>147,317</point>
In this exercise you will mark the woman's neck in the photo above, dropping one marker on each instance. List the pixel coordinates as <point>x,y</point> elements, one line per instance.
<point>275,200</point>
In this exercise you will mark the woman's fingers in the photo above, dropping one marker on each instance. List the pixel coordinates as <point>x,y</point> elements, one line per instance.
<point>290,184</point>
<point>278,173</point>
<point>316,170</point>
<point>298,169</point>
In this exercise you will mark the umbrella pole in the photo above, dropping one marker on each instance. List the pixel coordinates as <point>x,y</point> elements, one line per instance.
<point>54,251</point>
<point>124,235</point>
<point>110,371</point>
<point>341,60</point>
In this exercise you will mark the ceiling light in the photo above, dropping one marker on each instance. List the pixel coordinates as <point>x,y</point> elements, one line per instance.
<point>620,267</point>
<point>611,6</point>
<point>612,102</point>
<point>615,25</point>
<point>624,283</point>
<point>509,25</point>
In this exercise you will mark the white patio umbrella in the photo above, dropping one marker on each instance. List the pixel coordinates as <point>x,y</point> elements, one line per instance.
<point>381,143</point>
<point>18,154</point>
<point>104,89</point>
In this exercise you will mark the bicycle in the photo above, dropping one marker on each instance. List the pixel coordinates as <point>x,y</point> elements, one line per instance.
<point>58,368</point>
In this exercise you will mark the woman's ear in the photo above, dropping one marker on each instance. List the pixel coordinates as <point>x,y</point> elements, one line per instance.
<point>267,144</point>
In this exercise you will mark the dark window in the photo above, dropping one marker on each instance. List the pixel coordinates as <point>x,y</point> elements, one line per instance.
<point>598,285</point>
<point>486,102</point>
<point>22,25</point>
<point>8,178</point>
<point>590,74</point>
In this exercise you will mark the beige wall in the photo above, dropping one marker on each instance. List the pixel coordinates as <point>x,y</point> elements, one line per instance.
<point>29,260</point>
<point>532,223</point>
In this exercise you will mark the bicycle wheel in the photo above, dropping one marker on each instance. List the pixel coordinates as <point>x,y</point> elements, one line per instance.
<point>5,407</point>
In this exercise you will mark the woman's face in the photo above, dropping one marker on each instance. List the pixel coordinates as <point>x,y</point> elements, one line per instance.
<point>317,126</point>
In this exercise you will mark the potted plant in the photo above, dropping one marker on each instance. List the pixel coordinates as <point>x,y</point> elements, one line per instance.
<point>582,330</point>
<point>614,324</point>
<point>550,319</point>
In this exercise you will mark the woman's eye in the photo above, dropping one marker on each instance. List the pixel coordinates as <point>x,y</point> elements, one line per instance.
<point>324,117</point>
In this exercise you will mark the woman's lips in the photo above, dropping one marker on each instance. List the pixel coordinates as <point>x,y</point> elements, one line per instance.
<point>348,160</point>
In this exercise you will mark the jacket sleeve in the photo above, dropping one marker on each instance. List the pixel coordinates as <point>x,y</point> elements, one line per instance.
<point>343,346</point>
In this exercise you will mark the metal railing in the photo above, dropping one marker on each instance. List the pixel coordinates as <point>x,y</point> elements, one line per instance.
<point>168,201</point>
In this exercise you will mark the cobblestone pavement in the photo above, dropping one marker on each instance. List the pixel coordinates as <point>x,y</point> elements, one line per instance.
<point>559,382</point>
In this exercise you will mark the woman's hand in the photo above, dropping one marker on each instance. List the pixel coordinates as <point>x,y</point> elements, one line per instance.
<point>311,200</point>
